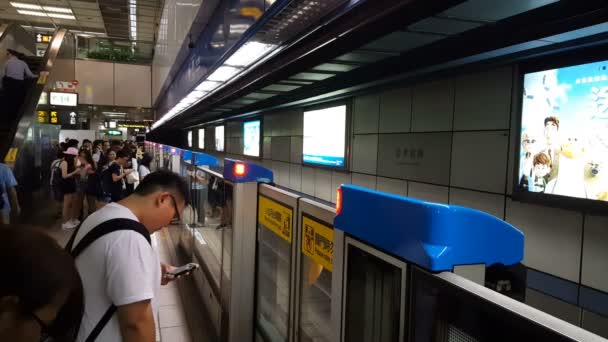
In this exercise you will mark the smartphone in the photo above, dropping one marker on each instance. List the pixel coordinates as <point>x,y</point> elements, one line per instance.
<point>183,269</point>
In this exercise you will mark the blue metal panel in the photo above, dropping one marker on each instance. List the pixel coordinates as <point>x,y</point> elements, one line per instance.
<point>187,156</point>
<point>253,172</point>
<point>175,151</point>
<point>166,148</point>
<point>434,236</point>
<point>202,159</point>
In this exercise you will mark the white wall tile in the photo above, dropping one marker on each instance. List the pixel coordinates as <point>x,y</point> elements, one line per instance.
<point>595,253</point>
<point>308,181</point>
<point>281,173</point>
<point>483,100</point>
<point>295,177</point>
<point>365,114</point>
<point>428,192</point>
<point>433,106</point>
<point>365,152</point>
<point>132,85</point>
<point>267,125</point>
<point>323,184</point>
<point>552,238</point>
<point>96,82</point>
<point>281,148</point>
<point>267,147</point>
<point>296,149</point>
<point>337,179</point>
<point>392,186</point>
<point>296,122</point>
<point>281,125</point>
<point>365,181</point>
<point>488,203</point>
<point>395,111</point>
<point>423,157</point>
<point>479,160</point>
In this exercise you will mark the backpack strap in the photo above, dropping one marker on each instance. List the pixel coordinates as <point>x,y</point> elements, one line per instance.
<point>102,229</point>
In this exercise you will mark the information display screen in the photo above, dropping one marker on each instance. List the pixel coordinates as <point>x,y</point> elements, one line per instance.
<point>325,136</point>
<point>63,99</point>
<point>251,138</point>
<point>189,138</point>
<point>219,138</point>
<point>564,132</point>
<point>201,138</point>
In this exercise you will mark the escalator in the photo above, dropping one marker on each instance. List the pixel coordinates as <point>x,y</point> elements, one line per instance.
<point>27,145</point>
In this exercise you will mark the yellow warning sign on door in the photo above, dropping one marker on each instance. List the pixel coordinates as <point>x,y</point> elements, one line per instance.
<point>276,217</point>
<point>318,242</point>
<point>11,156</point>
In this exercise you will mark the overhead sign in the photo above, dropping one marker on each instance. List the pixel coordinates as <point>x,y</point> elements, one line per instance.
<point>318,242</point>
<point>63,99</point>
<point>127,125</point>
<point>43,38</point>
<point>66,86</point>
<point>275,217</point>
<point>113,132</point>
<point>54,117</point>
<point>42,116</point>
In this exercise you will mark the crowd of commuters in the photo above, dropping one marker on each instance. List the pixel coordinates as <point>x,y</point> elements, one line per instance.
<point>93,174</point>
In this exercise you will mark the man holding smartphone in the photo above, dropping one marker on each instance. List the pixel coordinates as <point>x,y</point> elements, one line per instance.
<point>120,271</point>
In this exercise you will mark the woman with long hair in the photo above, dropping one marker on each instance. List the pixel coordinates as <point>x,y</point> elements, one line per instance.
<point>70,169</point>
<point>144,166</point>
<point>86,176</point>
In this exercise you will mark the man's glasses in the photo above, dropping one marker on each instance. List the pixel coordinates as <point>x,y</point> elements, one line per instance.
<point>176,219</point>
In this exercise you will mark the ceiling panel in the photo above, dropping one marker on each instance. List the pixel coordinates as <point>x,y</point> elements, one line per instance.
<point>364,57</point>
<point>489,11</point>
<point>311,76</point>
<point>260,96</point>
<point>280,87</point>
<point>85,5</point>
<point>335,67</point>
<point>402,41</point>
<point>444,26</point>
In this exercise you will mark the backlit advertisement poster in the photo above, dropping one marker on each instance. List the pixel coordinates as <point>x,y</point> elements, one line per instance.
<point>564,132</point>
<point>251,138</point>
<point>219,138</point>
<point>189,138</point>
<point>201,138</point>
<point>325,136</point>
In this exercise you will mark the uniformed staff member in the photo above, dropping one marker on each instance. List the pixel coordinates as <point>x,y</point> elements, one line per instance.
<point>13,83</point>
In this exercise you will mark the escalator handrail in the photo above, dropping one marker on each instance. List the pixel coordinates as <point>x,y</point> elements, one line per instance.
<point>26,113</point>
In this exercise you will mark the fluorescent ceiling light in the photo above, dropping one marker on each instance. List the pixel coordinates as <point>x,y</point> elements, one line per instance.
<point>197,94</point>
<point>33,13</point>
<point>26,6</point>
<point>249,53</point>
<point>61,16</point>
<point>223,74</point>
<point>133,19</point>
<point>57,9</point>
<point>207,86</point>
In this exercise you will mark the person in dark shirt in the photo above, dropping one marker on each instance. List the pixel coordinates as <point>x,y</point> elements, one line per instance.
<point>115,176</point>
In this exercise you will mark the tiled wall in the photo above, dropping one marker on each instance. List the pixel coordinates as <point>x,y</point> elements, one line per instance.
<point>452,141</point>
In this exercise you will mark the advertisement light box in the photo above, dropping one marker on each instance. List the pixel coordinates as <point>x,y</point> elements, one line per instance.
<point>251,136</point>
<point>63,99</point>
<point>325,137</point>
<point>219,138</point>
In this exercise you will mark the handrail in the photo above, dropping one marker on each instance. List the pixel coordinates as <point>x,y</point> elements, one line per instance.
<point>26,114</point>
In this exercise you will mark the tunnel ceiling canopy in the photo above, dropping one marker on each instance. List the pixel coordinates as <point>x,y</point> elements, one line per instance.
<point>378,42</point>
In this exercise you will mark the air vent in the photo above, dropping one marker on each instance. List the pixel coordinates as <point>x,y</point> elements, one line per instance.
<point>295,18</point>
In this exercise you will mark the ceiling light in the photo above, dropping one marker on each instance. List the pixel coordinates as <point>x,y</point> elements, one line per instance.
<point>57,9</point>
<point>197,94</point>
<point>223,74</point>
<point>133,19</point>
<point>207,86</point>
<point>26,6</point>
<point>61,16</point>
<point>33,13</point>
<point>249,53</point>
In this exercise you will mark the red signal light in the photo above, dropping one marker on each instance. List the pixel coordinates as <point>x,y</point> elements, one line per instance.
<point>339,201</point>
<point>240,169</point>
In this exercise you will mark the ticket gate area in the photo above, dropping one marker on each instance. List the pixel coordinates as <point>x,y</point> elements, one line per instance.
<point>279,266</point>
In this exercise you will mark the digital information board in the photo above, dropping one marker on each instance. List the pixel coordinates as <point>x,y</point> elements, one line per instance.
<point>219,138</point>
<point>63,99</point>
<point>325,136</point>
<point>251,138</point>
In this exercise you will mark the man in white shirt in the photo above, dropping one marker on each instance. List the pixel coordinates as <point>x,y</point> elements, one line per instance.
<point>121,268</point>
<point>15,71</point>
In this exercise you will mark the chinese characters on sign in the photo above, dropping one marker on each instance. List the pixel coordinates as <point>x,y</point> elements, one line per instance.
<point>275,217</point>
<point>318,242</point>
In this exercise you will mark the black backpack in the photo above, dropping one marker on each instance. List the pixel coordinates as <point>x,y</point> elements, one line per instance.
<point>56,181</point>
<point>100,230</point>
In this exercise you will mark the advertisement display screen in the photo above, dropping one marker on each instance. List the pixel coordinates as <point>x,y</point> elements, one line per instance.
<point>325,136</point>
<point>189,138</point>
<point>63,99</point>
<point>219,138</point>
<point>564,133</point>
<point>201,138</point>
<point>251,138</point>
